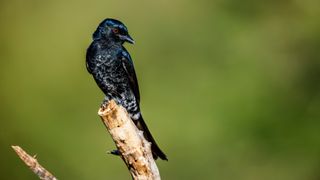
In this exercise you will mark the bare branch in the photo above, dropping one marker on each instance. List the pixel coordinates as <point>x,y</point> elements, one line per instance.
<point>33,164</point>
<point>134,149</point>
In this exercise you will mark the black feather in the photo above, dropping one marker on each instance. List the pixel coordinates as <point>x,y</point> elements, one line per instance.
<point>112,68</point>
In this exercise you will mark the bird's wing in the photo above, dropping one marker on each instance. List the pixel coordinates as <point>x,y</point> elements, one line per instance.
<point>129,69</point>
<point>89,58</point>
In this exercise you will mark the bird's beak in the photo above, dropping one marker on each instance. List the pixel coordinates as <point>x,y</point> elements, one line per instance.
<point>127,38</point>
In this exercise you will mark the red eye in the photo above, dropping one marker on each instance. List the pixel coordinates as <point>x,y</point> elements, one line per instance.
<point>115,31</point>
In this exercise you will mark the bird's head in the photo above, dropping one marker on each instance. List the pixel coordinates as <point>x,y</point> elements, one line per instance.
<point>112,29</point>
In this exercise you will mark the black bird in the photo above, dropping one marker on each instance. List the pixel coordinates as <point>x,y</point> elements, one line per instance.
<point>112,68</point>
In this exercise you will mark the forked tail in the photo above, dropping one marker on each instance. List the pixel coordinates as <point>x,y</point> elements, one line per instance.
<point>156,151</point>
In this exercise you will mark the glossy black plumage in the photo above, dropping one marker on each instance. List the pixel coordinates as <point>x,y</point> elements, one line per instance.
<point>112,68</point>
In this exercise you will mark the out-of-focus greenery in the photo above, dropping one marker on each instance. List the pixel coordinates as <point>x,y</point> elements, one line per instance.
<point>230,89</point>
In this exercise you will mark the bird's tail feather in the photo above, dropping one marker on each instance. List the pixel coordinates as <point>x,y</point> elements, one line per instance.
<point>156,151</point>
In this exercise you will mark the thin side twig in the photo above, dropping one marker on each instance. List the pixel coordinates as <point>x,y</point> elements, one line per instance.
<point>33,164</point>
<point>134,149</point>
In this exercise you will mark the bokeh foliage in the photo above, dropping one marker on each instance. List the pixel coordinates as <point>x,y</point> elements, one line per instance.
<point>230,89</point>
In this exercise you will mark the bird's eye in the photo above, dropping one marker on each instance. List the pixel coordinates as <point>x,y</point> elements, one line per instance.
<point>116,31</point>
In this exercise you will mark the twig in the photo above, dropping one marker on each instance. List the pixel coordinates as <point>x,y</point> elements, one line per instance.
<point>134,149</point>
<point>33,164</point>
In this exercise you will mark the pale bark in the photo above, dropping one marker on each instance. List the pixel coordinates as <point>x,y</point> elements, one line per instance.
<point>33,164</point>
<point>134,149</point>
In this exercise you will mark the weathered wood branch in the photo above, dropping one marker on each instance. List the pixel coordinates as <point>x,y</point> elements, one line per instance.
<point>134,149</point>
<point>33,164</point>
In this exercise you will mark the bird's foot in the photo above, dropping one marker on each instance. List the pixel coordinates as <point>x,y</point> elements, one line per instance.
<point>105,102</point>
<point>114,152</point>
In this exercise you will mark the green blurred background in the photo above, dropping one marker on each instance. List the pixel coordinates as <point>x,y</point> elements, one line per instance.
<point>230,89</point>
